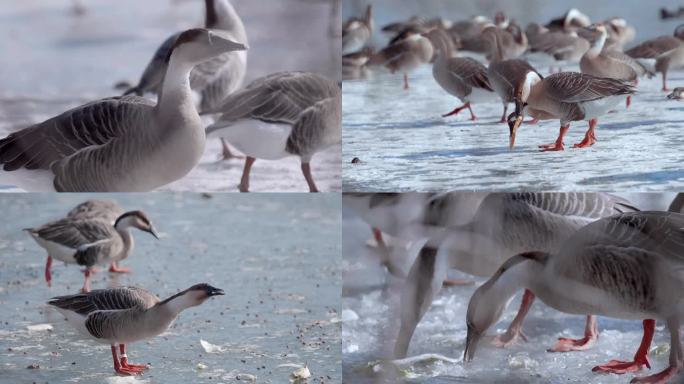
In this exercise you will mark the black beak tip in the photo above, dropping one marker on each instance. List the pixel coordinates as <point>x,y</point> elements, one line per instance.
<point>217,292</point>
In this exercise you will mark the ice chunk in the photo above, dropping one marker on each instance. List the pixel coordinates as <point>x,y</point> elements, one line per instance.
<point>202,366</point>
<point>246,377</point>
<point>211,348</point>
<point>662,349</point>
<point>300,374</point>
<point>39,327</point>
<point>522,361</point>
<point>351,348</point>
<point>125,380</point>
<point>348,315</point>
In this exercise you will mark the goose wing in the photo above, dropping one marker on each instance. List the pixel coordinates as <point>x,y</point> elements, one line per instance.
<point>589,205</point>
<point>318,126</point>
<point>278,98</point>
<point>75,233</point>
<point>120,298</point>
<point>90,125</point>
<point>573,87</point>
<point>469,71</point>
<point>107,210</point>
<point>653,48</point>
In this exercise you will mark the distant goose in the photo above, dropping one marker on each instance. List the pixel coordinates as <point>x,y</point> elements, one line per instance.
<point>464,78</point>
<point>504,224</point>
<point>124,315</point>
<point>601,62</point>
<point>121,143</point>
<point>283,114</point>
<point>90,242</point>
<point>677,94</point>
<point>405,53</point>
<point>567,96</point>
<point>572,20</point>
<point>653,48</point>
<point>565,47</point>
<point>357,32</point>
<point>627,266</point>
<point>505,44</point>
<point>213,79</point>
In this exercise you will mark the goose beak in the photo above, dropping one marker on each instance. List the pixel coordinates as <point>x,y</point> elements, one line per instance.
<point>472,340</point>
<point>226,44</point>
<point>153,232</point>
<point>513,128</point>
<point>216,292</point>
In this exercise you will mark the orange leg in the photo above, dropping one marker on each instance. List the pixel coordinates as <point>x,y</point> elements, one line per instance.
<point>114,268</point>
<point>558,145</point>
<point>590,136</point>
<point>640,358</point>
<point>119,368</point>
<point>565,344</point>
<point>664,89</point>
<point>86,282</point>
<point>126,364</point>
<point>459,109</point>
<point>514,331</point>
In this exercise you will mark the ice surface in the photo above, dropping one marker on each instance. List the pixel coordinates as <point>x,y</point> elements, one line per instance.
<point>54,61</point>
<point>404,144</point>
<point>436,349</point>
<point>284,253</point>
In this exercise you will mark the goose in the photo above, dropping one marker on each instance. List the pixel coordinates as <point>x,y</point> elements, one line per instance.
<point>573,19</point>
<point>568,96</point>
<point>213,79</point>
<point>124,315</point>
<point>357,32</point>
<point>625,266</point>
<point>677,94</point>
<point>123,143</point>
<point>504,224</point>
<point>89,242</point>
<point>601,62</point>
<point>404,54</point>
<point>106,210</point>
<point>564,47</point>
<point>395,28</point>
<point>653,48</point>
<point>619,33</point>
<point>504,44</point>
<point>464,78</point>
<point>283,114</point>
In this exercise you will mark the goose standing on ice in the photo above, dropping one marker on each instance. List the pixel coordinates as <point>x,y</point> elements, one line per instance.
<point>652,49</point>
<point>124,315</point>
<point>283,114</point>
<point>568,96</point>
<point>120,144</point>
<point>213,79</point>
<point>462,77</point>
<point>356,32</point>
<point>405,53</point>
<point>504,224</point>
<point>90,242</point>
<point>628,266</point>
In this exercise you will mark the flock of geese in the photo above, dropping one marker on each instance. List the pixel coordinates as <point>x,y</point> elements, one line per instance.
<point>97,232</point>
<point>608,73</point>
<point>130,143</point>
<point>580,253</point>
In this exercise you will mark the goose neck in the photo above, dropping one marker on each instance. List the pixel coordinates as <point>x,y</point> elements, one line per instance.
<point>176,94</point>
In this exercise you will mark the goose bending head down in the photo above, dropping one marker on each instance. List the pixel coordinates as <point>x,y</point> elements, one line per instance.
<point>124,315</point>
<point>283,114</point>
<point>625,266</point>
<point>90,241</point>
<point>119,144</point>
<point>567,96</point>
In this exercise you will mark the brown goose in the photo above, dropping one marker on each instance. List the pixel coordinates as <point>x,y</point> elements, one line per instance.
<point>405,54</point>
<point>653,48</point>
<point>462,77</point>
<point>509,43</point>
<point>568,96</point>
<point>356,32</point>
<point>566,47</point>
<point>601,62</point>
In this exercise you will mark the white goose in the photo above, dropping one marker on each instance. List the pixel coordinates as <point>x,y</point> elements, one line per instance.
<point>504,224</point>
<point>213,79</point>
<point>628,266</point>
<point>121,143</point>
<point>124,315</point>
<point>283,114</point>
<point>89,242</point>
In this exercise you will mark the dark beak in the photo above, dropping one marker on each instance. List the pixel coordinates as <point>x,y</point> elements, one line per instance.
<point>472,340</point>
<point>153,232</point>
<point>513,126</point>
<point>215,291</point>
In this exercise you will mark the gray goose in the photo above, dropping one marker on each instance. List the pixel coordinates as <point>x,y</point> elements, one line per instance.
<point>357,32</point>
<point>625,266</point>
<point>464,78</point>
<point>283,114</point>
<point>119,144</point>
<point>653,48</point>
<point>565,47</point>
<point>567,96</point>
<point>124,315</point>
<point>89,242</point>
<point>602,62</point>
<point>504,224</point>
<point>213,79</point>
<point>405,53</point>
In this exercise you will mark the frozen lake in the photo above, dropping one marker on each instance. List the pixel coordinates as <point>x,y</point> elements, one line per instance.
<point>276,257</point>
<point>404,144</point>
<point>55,60</point>
<point>370,323</point>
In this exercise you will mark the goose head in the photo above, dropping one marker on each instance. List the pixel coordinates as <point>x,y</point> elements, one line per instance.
<point>677,94</point>
<point>135,219</point>
<point>522,93</point>
<point>679,32</point>
<point>197,45</point>
<point>199,293</point>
